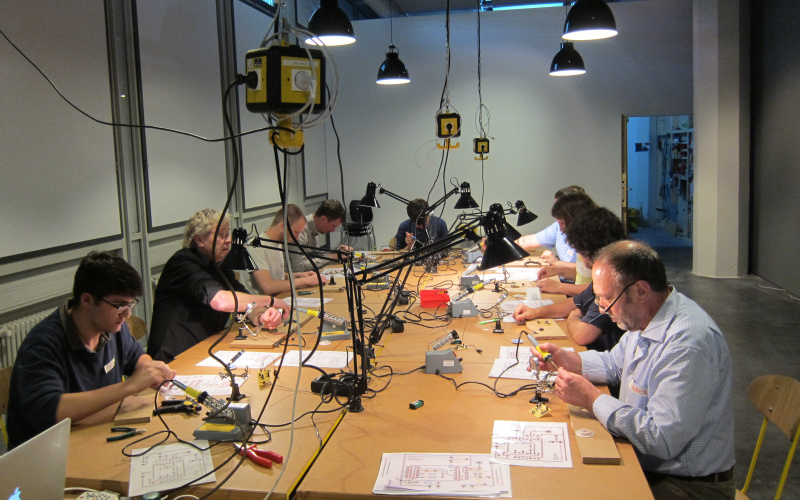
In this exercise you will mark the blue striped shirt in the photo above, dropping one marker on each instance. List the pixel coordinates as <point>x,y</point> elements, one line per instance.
<point>675,398</point>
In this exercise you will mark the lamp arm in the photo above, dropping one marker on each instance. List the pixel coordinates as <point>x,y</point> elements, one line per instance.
<point>441,200</point>
<point>397,197</point>
<point>259,244</point>
<point>390,266</point>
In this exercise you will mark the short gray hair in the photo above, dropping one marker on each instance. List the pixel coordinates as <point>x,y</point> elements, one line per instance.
<point>201,224</point>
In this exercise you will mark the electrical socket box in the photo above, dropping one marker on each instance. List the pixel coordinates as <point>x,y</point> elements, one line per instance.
<point>448,125</point>
<point>285,79</point>
<point>462,309</point>
<point>480,145</point>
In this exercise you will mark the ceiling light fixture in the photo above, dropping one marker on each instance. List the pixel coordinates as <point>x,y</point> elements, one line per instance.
<point>589,20</point>
<point>330,25</point>
<point>392,71</point>
<point>567,62</point>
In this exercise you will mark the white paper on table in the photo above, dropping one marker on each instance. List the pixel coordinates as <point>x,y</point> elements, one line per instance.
<point>443,474</point>
<point>533,444</point>
<point>214,385</point>
<point>510,305</point>
<point>308,302</point>
<point>321,359</point>
<point>168,466</point>
<point>250,359</point>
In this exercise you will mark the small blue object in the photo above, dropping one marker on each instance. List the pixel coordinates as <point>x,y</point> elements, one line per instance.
<point>516,341</point>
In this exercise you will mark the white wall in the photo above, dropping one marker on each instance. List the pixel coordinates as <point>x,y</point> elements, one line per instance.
<point>547,132</point>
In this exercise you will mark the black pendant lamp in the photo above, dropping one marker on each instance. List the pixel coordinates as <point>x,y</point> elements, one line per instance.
<point>567,62</point>
<point>589,20</point>
<point>330,25</point>
<point>392,71</point>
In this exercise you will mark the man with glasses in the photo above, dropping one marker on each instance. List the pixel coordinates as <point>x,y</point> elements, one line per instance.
<point>71,365</point>
<point>674,369</point>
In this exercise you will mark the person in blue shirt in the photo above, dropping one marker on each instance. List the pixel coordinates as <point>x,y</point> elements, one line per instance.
<point>553,236</point>
<point>71,364</point>
<point>674,371</point>
<point>421,227</point>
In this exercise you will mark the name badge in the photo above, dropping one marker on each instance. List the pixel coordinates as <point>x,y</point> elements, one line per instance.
<point>111,364</point>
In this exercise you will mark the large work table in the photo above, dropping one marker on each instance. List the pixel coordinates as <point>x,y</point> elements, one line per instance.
<point>450,421</point>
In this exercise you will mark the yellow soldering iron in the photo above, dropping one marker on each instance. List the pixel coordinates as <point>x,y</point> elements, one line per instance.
<point>546,356</point>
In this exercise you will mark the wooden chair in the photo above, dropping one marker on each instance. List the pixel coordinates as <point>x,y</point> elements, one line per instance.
<point>5,388</point>
<point>137,326</point>
<point>778,398</point>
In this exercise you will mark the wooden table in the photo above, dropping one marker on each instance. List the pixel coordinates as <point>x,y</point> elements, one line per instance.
<point>451,421</point>
<point>94,463</point>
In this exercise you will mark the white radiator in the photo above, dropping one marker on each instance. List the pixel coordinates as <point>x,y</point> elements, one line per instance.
<point>12,334</point>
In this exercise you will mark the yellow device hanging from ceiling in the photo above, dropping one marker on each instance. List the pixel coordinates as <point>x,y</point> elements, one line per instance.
<point>286,84</point>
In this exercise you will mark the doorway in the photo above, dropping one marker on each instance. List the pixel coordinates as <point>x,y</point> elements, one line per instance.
<point>658,179</point>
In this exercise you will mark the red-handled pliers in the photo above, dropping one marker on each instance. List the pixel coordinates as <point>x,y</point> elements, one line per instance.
<point>264,458</point>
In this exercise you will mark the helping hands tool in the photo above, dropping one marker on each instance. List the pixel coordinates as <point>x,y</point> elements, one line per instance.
<point>128,432</point>
<point>264,458</point>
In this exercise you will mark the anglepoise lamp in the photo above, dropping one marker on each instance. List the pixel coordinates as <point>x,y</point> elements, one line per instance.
<point>369,199</point>
<point>392,71</point>
<point>500,249</point>
<point>567,62</point>
<point>524,216</point>
<point>589,20</point>
<point>465,200</point>
<point>330,25</point>
<point>238,259</point>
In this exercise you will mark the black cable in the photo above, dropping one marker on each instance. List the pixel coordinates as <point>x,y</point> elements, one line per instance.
<point>240,80</point>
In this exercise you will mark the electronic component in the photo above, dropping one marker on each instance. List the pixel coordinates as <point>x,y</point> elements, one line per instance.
<point>414,405</point>
<point>467,291</point>
<point>285,80</point>
<point>471,255</point>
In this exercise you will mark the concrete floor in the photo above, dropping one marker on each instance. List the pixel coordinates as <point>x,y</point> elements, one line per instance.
<point>759,321</point>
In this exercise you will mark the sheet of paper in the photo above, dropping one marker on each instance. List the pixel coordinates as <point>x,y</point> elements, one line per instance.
<point>533,444</point>
<point>169,466</point>
<point>250,359</point>
<point>322,359</point>
<point>214,385</point>
<point>308,302</point>
<point>443,474</point>
<point>509,305</point>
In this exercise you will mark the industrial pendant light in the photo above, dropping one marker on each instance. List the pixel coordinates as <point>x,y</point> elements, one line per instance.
<point>567,62</point>
<point>392,71</point>
<point>330,25</point>
<point>589,20</point>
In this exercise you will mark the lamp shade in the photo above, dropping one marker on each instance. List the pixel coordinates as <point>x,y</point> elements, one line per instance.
<point>524,216</point>
<point>369,199</point>
<point>589,20</point>
<point>500,249</point>
<point>392,71</point>
<point>238,259</point>
<point>567,62</point>
<point>330,25</point>
<point>465,200</point>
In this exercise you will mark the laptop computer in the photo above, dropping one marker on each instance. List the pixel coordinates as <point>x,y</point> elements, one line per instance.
<point>38,467</point>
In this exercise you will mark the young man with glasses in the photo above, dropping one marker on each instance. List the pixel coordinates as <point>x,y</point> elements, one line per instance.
<point>71,365</point>
<point>674,369</point>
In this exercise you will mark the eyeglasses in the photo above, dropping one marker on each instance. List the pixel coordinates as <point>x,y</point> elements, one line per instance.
<point>119,307</point>
<point>604,310</point>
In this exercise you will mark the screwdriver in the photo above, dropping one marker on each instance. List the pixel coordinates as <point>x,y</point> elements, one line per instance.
<point>546,356</point>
